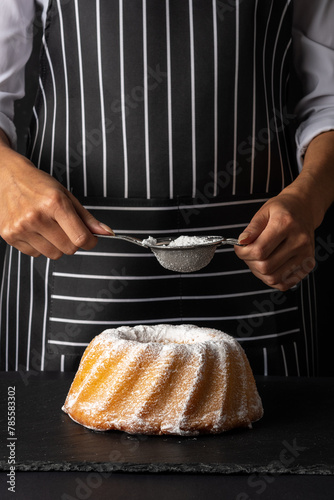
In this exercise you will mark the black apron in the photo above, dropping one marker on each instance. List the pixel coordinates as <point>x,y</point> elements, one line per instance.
<point>163,118</point>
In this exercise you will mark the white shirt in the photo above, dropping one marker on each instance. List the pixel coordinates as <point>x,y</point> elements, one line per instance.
<point>313,42</point>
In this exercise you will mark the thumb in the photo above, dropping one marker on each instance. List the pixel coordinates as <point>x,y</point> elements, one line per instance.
<point>96,226</point>
<point>254,229</point>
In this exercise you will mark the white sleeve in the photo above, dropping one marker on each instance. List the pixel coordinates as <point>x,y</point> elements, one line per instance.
<point>313,48</point>
<point>16,39</point>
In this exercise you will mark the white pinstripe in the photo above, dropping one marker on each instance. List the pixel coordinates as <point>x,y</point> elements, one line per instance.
<point>31,306</point>
<point>54,103</point>
<point>123,107</point>
<point>281,111</point>
<point>265,362</point>
<point>284,361</point>
<point>254,99</point>
<point>44,124</point>
<point>297,360</point>
<point>275,335</point>
<point>266,95</point>
<point>159,299</point>
<point>236,84</point>
<point>36,132</point>
<point>215,95</point>
<point>7,303</point>
<point>272,89</point>
<point>193,107</point>
<point>103,121</point>
<point>82,98</point>
<point>314,295</point>
<point>51,170</point>
<point>135,255</point>
<point>184,319</point>
<point>304,328</point>
<point>17,310</point>
<point>179,207</point>
<point>169,99</point>
<point>67,126</point>
<point>45,315</point>
<point>62,363</point>
<point>269,336</point>
<point>2,288</point>
<point>146,118</point>
<point>184,230</point>
<point>77,344</point>
<point>155,277</point>
<point>308,279</point>
<point>114,254</point>
<point>31,299</point>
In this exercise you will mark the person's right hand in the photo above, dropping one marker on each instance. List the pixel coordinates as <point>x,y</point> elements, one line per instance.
<point>38,215</point>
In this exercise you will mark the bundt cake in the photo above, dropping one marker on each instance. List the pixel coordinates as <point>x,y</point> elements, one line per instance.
<point>164,379</point>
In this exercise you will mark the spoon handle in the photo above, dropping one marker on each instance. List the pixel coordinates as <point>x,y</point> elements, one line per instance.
<point>231,241</point>
<point>130,239</point>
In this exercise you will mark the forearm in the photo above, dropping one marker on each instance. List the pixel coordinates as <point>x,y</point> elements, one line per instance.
<point>315,182</point>
<point>12,163</point>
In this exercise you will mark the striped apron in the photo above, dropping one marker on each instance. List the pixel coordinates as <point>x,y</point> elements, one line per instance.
<point>163,118</point>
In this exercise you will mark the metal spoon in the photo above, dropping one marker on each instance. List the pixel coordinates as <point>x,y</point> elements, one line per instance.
<point>182,259</point>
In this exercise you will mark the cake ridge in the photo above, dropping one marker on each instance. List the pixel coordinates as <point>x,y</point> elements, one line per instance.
<point>164,379</point>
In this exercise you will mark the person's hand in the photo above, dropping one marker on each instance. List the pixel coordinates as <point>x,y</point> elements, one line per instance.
<point>279,240</point>
<point>38,215</point>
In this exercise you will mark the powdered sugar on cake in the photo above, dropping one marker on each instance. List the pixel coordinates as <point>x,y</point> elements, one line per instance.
<point>164,379</point>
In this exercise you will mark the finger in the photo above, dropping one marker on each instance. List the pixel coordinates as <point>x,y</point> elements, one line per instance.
<point>55,235</point>
<point>89,220</point>
<point>44,238</point>
<point>300,270</point>
<point>269,242</point>
<point>293,279</point>
<point>289,253</point>
<point>294,250</point>
<point>267,236</point>
<point>287,275</point>
<point>27,249</point>
<point>41,246</point>
<point>254,228</point>
<point>69,220</point>
<point>38,248</point>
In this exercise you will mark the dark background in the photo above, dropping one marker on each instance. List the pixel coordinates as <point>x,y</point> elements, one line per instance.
<point>325,270</point>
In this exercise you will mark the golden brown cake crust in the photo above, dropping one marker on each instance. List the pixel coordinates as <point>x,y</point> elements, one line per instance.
<point>164,379</point>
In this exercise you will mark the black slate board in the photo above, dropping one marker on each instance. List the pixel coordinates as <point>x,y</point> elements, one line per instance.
<point>120,486</point>
<point>295,436</point>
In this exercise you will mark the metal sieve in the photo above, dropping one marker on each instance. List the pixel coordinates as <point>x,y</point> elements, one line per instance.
<point>182,259</point>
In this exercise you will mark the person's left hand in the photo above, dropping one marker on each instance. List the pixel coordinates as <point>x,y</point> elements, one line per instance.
<point>279,241</point>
